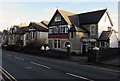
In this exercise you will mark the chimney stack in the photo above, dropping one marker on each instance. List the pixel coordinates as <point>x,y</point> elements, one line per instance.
<point>109,28</point>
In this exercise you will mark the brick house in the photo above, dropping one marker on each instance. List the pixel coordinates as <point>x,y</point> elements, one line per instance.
<point>81,31</point>
<point>23,34</point>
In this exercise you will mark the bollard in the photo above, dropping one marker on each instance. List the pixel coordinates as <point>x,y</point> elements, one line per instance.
<point>43,50</point>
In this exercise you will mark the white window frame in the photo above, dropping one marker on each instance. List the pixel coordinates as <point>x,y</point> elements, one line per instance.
<point>57,42</point>
<point>59,29</point>
<point>57,18</point>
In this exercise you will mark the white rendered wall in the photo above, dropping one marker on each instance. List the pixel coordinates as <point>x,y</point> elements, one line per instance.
<point>103,25</point>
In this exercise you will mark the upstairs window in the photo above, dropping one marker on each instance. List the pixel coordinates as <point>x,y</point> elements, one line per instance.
<point>61,29</point>
<point>92,30</point>
<point>57,18</point>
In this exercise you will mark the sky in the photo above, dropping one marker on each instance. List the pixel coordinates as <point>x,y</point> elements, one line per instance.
<point>15,13</point>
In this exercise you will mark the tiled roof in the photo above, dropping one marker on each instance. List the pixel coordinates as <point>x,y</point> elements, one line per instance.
<point>45,22</point>
<point>65,15</point>
<point>78,29</point>
<point>39,26</point>
<point>91,17</point>
<point>105,35</point>
<point>21,30</point>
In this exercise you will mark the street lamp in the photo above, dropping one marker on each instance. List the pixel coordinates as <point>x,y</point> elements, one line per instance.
<point>47,48</point>
<point>42,48</point>
<point>68,50</point>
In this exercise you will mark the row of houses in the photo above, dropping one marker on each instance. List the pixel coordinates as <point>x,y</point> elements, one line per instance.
<point>82,31</point>
<point>23,34</point>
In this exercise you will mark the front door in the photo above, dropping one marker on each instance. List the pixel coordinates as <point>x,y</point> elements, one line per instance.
<point>84,48</point>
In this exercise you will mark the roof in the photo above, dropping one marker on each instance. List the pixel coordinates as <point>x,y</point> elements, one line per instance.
<point>21,30</point>
<point>105,35</point>
<point>23,25</point>
<point>65,15</point>
<point>5,32</point>
<point>15,26</point>
<point>39,26</point>
<point>45,22</point>
<point>91,17</point>
<point>78,29</point>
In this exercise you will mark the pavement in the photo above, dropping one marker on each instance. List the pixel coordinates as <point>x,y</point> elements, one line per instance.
<point>110,62</point>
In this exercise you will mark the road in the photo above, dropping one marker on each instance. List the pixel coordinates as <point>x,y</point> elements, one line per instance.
<point>27,67</point>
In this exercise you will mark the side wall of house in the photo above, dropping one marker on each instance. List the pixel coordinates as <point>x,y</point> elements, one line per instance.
<point>103,24</point>
<point>88,26</point>
<point>43,35</point>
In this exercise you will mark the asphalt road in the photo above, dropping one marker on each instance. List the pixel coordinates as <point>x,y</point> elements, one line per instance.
<point>27,67</point>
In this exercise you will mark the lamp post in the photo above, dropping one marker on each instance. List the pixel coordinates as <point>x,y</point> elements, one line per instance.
<point>68,50</point>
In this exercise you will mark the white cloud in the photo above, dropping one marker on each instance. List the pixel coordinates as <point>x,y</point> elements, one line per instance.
<point>50,10</point>
<point>47,9</point>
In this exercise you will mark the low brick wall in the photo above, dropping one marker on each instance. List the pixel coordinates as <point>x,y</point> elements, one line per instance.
<point>48,53</point>
<point>108,52</point>
<point>38,52</point>
<point>94,55</point>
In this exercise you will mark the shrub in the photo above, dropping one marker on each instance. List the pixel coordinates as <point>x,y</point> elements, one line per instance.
<point>36,44</point>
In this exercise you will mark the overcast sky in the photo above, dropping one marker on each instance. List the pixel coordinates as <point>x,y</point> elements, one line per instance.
<point>12,13</point>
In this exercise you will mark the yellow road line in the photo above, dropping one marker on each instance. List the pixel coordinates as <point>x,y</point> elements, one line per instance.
<point>8,73</point>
